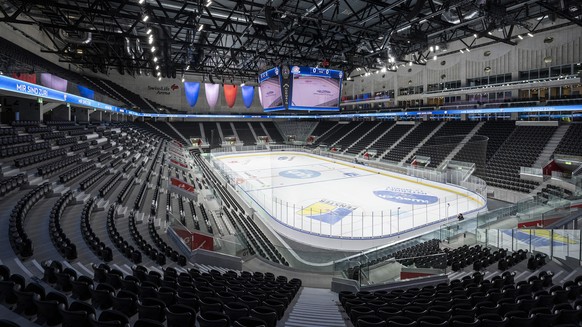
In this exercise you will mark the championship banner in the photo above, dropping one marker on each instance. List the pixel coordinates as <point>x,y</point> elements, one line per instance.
<point>248,93</point>
<point>30,78</point>
<point>230,94</point>
<point>211,94</point>
<point>192,90</point>
<point>86,92</point>
<point>183,188</point>
<point>53,82</point>
<point>178,164</point>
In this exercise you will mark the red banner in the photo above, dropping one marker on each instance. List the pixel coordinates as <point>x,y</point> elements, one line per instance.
<point>182,185</point>
<point>195,240</point>
<point>178,163</point>
<point>177,143</point>
<point>30,78</point>
<point>230,94</point>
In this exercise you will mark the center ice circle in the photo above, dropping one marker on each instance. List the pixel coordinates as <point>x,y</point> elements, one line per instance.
<point>299,173</point>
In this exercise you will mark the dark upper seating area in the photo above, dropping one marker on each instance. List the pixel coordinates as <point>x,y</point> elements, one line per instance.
<point>244,133</point>
<point>273,132</point>
<point>571,143</point>
<point>367,139</point>
<point>412,140</point>
<point>335,133</point>
<point>188,129</point>
<point>521,149</point>
<point>445,140</point>
<point>356,133</point>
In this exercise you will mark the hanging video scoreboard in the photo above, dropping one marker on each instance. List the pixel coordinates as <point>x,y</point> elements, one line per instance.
<point>301,88</point>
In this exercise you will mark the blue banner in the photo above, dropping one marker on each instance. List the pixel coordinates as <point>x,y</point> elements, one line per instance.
<point>192,90</point>
<point>248,93</point>
<point>86,92</point>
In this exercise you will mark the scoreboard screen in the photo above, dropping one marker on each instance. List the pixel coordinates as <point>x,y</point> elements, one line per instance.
<point>270,88</point>
<point>315,88</point>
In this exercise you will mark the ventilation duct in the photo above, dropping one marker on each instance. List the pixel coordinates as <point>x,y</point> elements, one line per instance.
<point>86,37</point>
<point>451,15</point>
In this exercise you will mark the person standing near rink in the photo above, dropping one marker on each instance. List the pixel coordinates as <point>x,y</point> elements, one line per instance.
<point>460,217</point>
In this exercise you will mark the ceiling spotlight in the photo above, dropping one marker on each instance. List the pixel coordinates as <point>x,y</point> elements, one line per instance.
<point>242,84</point>
<point>530,35</point>
<point>434,58</point>
<point>431,48</point>
<point>145,18</point>
<point>187,67</point>
<point>520,37</point>
<point>159,74</point>
<point>149,31</point>
<point>157,67</point>
<point>208,3</point>
<point>410,63</point>
<point>153,49</point>
<point>155,59</point>
<point>141,2</point>
<point>436,47</point>
<point>468,50</point>
<point>383,70</point>
<point>160,78</point>
<point>462,51</point>
<point>183,79</point>
<point>489,33</point>
<point>475,35</point>
<point>200,27</point>
<point>151,40</point>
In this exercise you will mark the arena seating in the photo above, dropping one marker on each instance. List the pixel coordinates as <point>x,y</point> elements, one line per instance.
<point>366,140</point>
<point>335,133</point>
<point>447,138</point>
<point>244,133</point>
<point>353,135</point>
<point>212,134</point>
<point>412,140</point>
<point>521,149</point>
<point>274,133</point>
<point>571,143</point>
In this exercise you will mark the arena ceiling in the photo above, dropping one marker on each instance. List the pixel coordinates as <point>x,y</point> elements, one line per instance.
<point>237,39</point>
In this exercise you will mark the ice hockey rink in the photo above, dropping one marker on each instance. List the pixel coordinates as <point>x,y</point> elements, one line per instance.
<point>318,195</point>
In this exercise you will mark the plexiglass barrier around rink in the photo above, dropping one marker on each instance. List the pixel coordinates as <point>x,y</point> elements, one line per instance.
<point>469,196</point>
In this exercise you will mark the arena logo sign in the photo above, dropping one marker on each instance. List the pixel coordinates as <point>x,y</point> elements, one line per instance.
<point>164,90</point>
<point>406,196</point>
<point>327,211</point>
<point>299,173</point>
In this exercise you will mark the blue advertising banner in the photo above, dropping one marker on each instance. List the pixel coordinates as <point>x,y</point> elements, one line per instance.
<point>86,92</point>
<point>248,93</point>
<point>192,90</point>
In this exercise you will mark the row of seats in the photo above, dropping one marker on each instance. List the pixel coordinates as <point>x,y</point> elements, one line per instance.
<point>36,129</point>
<point>12,183</point>
<point>471,301</point>
<point>110,184</point>
<point>93,178</point>
<point>117,239</point>
<point>125,191</point>
<point>53,135</point>
<point>75,172</point>
<point>58,237</point>
<point>165,249</point>
<point>58,166</point>
<point>19,240</point>
<point>24,123</point>
<point>16,139</point>
<point>25,148</point>
<point>8,131</point>
<point>37,158</point>
<point>65,141</point>
<point>98,247</point>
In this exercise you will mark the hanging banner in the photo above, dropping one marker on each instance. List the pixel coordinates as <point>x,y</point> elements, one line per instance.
<point>248,93</point>
<point>86,92</point>
<point>53,82</point>
<point>192,89</point>
<point>230,94</point>
<point>211,94</point>
<point>30,78</point>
